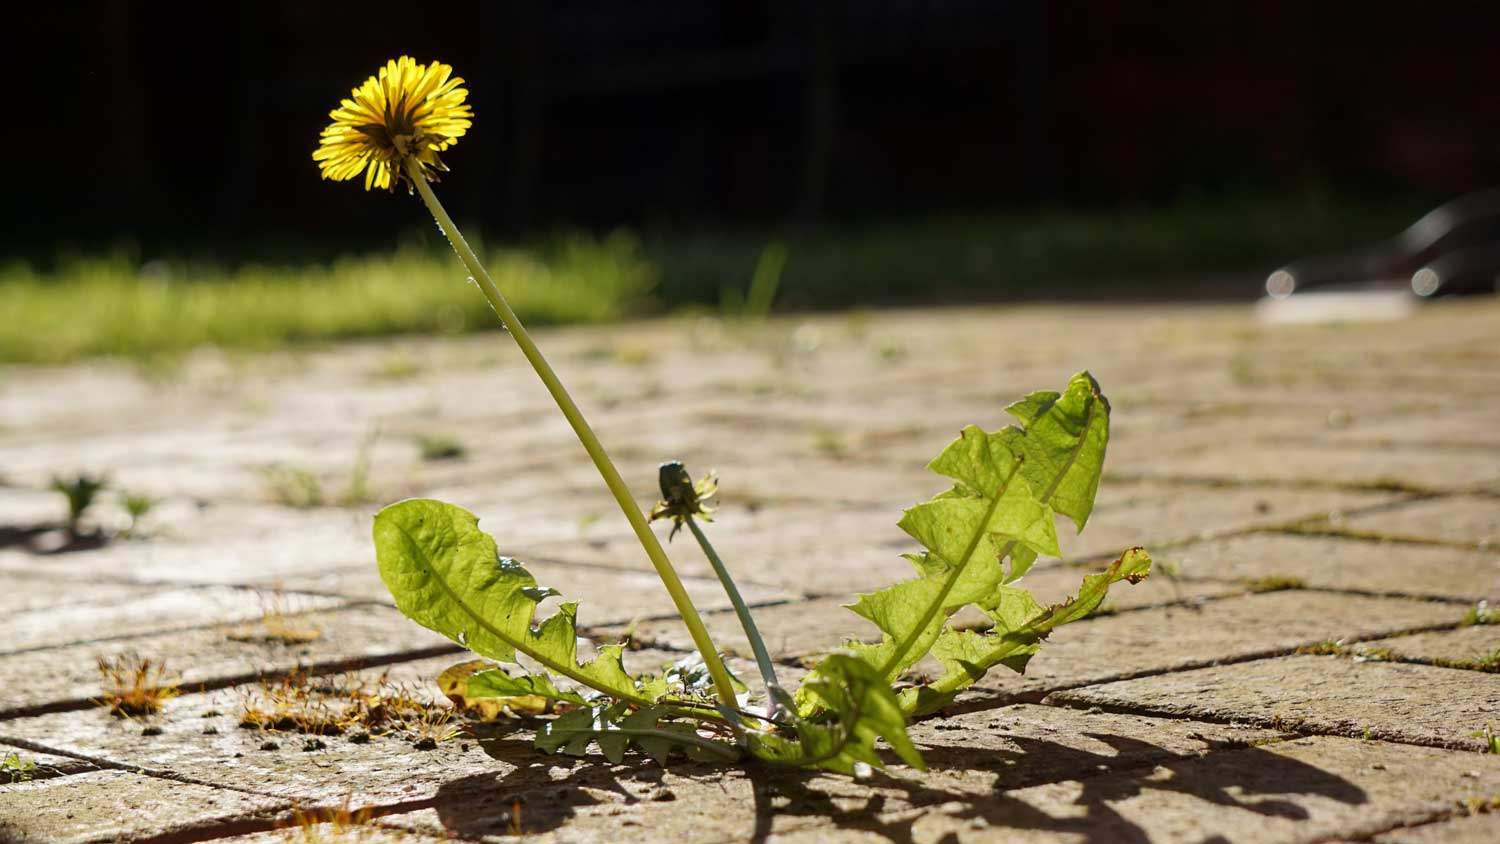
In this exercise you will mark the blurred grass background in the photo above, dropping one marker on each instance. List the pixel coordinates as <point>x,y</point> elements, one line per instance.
<point>119,305</point>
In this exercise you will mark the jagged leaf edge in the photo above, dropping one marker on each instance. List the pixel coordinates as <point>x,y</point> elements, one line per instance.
<point>615,728</point>
<point>553,643</point>
<point>968,654</point>
<point>976,461</point>
<point>858,707</point>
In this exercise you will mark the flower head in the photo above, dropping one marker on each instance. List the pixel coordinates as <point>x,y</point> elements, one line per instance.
<point>681,498</point>
<point>409,110</point>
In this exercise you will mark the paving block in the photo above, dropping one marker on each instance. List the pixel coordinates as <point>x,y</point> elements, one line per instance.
<point>158,611</point>
<point>1470,519</point>
<point>1476,647</point>
<point>26,592</point>
<point>68,675</point>
<point>1342,563</point>
<point>1322,694</point>
<point>1306,790</point>
<point>102,806</point>
<point>1320,464</point>
<point>970,757</point>
<point>1472,829</point>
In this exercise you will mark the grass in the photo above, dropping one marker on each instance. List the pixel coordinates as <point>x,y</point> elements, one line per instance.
<point>116,306</point>
<point>87,307</point>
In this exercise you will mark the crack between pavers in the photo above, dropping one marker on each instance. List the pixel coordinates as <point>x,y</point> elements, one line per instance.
<point>316,669</point>
<point>1432,818</point>
<point>187,628</point>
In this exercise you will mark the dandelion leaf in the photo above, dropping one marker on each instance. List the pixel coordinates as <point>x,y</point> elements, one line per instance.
<point>445,574</point>
<point>980,537</point>
<point>858,707</point>
<point>616,728</point>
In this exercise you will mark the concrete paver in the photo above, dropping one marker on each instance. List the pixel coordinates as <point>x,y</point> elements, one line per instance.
<point>1413,703</point>
<point>1245,456</point>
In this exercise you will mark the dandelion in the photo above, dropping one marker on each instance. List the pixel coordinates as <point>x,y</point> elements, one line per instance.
<point>398,122</point>
<point>408,111</point>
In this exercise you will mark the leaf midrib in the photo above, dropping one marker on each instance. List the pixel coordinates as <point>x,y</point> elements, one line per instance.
<point>937,603</point>
<point>548,662</point>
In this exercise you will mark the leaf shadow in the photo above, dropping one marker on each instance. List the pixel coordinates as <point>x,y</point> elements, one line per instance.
<point>1241,777</point>
<point>970,787</point>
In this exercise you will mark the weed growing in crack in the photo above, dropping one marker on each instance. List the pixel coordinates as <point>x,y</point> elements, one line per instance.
<point>133,685</point>
<point>347,704</point>
<point>276,625</point>
<point>80,492</point>
<point>1275,583</point>
<point>15,769</point>
<point>978,538</point>
<point>1491,738</point>
<point>1481,613</point>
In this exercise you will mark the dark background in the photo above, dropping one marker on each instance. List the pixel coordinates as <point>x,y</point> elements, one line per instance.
<point>183,127</point>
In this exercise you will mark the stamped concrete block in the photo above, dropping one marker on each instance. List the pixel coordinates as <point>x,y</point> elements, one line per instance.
<point>25,592</point>
<point>1472,829</point>
<point>1468,519</point>
<point>1320,464</point>
<point>1309,789</point>
<point>1476,647</point>
<point>1323,694</point>
<point>158,611</point>
<point>102,806</point>
<point>68,675</point>
<point>970,758</point>
<point>1341,563</point>
<point>1154,515</point>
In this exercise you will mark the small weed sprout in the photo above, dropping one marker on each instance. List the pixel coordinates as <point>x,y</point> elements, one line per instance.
<point>436,447</point>
<point>80,492</point>
<point>1481,613</point>
<point>133,685</point>
<point>137,505</point>
<point>345,705</point>
<point>332,826</point>
<point>16,769</point>
<point>1275,583</point>
<point>294,487</point>
<point>359,489</point>
<point>277,624</point>
<point>1491,738</point>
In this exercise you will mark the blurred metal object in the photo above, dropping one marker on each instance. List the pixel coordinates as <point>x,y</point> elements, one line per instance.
<point>1448,251</point>
<point>1465,271</point>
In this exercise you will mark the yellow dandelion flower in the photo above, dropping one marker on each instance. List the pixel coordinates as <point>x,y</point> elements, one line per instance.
<point>408,110</point>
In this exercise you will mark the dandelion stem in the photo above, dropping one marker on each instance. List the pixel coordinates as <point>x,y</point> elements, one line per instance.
<point>757,644</point>
<point>722,682</point>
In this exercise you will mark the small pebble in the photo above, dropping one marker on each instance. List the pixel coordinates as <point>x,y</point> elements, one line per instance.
<point>360,738</point>
<point>427,743</point>
<point>313,744</point>
<point>210,731</point>
<point>152,730</point>
<point>270,745</point>
<point>666,795</point>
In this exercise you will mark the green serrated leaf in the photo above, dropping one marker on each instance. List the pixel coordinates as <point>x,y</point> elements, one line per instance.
<point>859,707</point>
<point>495,683</point>
<point>1020,627</point>
<point>615,728</point>
<point>1062,445</point>
<point>445,574</point>
<point>1007,487</point>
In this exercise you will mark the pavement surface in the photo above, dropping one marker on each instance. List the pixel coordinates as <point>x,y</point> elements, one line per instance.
<point>1323,502</point>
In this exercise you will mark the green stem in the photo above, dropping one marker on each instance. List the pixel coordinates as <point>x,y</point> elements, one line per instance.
<point>722,682</point>
<point>757,644</point>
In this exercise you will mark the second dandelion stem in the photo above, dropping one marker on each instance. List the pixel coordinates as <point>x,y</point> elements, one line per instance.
<point>774,693</point>
<point>723,685</point>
